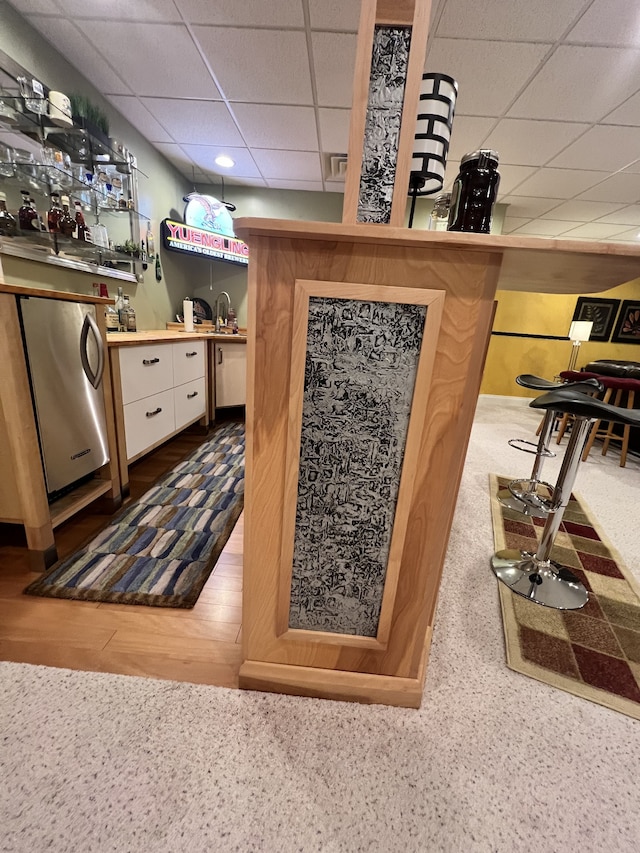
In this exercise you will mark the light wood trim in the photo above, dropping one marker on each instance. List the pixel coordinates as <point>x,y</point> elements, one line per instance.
<point>357,641</point>
<point>434,301</point>
<point>21,430</point>
<point>371,292</point>
<point>65,295</point>
<point>118,405</point>
<point>361,75</point>
<point>331,684</point>
<point>417,55</point>
<point>397,12</point>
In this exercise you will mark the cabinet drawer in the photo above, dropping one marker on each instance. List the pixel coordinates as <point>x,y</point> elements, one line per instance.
<point>145,370</point>
<point>148,421</point>
<point>189,401</point>
<point>188,361</point>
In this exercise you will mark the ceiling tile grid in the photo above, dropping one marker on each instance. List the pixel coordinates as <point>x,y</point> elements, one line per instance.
<point>553,87</point>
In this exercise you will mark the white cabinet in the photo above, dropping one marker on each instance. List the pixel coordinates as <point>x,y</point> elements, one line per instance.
<point>231,374</point>
<point>163,387</point>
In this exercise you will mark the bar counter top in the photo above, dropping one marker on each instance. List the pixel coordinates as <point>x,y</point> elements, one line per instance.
<point>154,336</point>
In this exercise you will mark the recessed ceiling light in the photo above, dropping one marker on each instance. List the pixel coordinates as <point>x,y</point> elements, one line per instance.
<point>224,161</point>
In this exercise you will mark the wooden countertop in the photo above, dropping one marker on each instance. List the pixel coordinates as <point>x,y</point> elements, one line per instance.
<point>148,336</point>
<point>533,264</point>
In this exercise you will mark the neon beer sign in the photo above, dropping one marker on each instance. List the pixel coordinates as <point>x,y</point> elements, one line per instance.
<point>207,230</point>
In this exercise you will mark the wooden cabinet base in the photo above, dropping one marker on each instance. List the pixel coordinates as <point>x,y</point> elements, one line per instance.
<point>331,684</point>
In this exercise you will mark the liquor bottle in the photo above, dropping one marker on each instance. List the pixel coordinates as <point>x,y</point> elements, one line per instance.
<point>130,315</point>
<point>37,222</point>
<point>8,224</point>
<point>26,214</point>
<point>82,232</point>
<point>149,240</point>
<point>67,224</point>
<point>120,308</point>
<point>54,214</point>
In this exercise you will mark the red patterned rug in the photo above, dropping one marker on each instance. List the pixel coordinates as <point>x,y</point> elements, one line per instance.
<point>593,652</point>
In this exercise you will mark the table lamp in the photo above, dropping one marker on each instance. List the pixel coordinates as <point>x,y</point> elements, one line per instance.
<point>580,330</point>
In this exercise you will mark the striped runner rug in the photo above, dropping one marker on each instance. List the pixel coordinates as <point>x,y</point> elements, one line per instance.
<point>160,550</point>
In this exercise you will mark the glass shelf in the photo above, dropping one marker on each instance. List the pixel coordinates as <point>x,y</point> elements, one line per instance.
<point>66,247</point>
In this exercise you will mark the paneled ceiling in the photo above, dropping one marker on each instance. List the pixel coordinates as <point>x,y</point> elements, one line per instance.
<point>554,87</point>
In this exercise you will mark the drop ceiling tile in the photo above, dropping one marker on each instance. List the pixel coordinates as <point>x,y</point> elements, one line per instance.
<point>581,211</point>
<point>136,50</point>
<point>511,223</point>
<point>121,10</point>
<point>340,15</point>
<point>627,113</point>
<point>334,57</point>
<point>580,84</point>
<point>511,177</point>
<point>594,231</point>
<point>47,7</point>
<point>546,227</point>
<point>240,182</point>
<point>288,165</point>
<point>277,126</point>
<point>137,114</point>
<point>559,182</point>
<point>467,134</point>
<point>611,22</point>
<point>334,130</point>
<point>529,207</point>
<point>204,156</point>
<point>489,73</point>
<point>633,168</point>
<point>260,66</point>
<point>535,20</point>
<point>81,54</point>
<point>255,13</point>
<point>603,148</point>
<point>631,236</point>
<point>625,216</point>
<point>308,186</point>
<point>195,122</point>
<point>621,187</point>
<point>175,154</point>
<point>531,143</point>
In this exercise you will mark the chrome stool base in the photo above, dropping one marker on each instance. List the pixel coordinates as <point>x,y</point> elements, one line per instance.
<point>541,581</point>
<point>535,494</point>
<point>511,502</point>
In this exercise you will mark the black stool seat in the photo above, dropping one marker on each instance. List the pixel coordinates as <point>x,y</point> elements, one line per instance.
<point>537,383</point>
<point>573,402</point>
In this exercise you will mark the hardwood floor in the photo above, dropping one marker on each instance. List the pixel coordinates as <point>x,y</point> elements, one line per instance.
<point>200,645</point>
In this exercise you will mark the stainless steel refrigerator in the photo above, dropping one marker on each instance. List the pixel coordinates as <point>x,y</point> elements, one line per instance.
<point>65,358</point>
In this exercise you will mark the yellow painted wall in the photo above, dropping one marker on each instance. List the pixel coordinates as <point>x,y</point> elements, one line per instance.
<point>543,314</point>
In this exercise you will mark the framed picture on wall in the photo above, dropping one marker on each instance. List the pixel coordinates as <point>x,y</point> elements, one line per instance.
<point>600,312</point>
<point>627,330</point>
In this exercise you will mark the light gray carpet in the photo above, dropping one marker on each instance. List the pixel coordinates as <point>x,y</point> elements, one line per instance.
<point>494,761</point>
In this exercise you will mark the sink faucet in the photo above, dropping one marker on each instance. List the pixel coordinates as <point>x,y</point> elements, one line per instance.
<point>222,293</point>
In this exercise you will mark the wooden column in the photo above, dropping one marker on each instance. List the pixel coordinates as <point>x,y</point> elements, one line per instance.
<point>380,147</point>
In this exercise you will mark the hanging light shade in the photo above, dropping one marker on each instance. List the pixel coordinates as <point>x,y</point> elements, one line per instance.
<point>437,103</point>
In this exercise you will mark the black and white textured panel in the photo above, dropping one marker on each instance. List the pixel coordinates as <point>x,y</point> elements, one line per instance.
<point>360,370</point>
<point>389,62</point>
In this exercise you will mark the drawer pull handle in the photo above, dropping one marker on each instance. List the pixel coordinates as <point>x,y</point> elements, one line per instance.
<point>190,354</point>
<point>150,360</point>
<point>191,396</point>
<point>157,412</point>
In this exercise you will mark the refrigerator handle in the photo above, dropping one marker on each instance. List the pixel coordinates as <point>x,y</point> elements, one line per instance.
<point>90,324</point>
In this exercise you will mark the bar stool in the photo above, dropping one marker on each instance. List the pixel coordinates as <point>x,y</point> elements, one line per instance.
<point>533,496</point>
<point>573,376</point>
<point>622,387</point>
<point>536,576</point>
